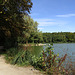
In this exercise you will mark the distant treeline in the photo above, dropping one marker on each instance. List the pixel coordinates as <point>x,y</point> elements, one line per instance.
<point>61,37</point>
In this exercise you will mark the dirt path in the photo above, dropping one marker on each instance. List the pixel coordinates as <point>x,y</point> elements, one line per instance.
<point>7,69</point>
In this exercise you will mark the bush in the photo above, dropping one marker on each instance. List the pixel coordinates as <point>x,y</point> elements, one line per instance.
<point>48,61</point>
<point>12,52</point>
<point>23,57</point>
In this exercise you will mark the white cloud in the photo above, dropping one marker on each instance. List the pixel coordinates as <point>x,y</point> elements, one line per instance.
<point>40,28</point>
<point>66,15</point>
<point>46,23</point>
<point>43,19</point>
<point>49,22</point>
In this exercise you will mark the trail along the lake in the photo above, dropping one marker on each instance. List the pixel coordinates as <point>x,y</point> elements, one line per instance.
<point>7,69</point>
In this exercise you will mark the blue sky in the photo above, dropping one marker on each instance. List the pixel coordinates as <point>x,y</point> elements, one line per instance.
<point>54,15</point>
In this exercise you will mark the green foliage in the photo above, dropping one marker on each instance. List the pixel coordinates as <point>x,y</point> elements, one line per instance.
<point>30,32</point>
<point>12,52</point>
<point>11,18</point>
<point>22,58</point>
<point>60,37</point>
<point>16,26</point>
<point>18,56</point>
<point>48,61</point>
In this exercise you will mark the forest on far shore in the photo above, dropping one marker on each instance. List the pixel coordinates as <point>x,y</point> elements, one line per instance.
<point>60,37</point>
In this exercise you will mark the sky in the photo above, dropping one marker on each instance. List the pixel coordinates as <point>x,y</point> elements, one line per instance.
<point>54,15</point>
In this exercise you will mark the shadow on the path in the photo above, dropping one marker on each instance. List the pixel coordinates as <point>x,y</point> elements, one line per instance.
<point>2,50</point>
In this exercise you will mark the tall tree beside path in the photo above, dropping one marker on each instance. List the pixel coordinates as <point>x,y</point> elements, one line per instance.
<point>11,19</point>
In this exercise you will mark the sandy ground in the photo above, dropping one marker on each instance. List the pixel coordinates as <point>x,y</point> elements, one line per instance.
<point>7,69</point>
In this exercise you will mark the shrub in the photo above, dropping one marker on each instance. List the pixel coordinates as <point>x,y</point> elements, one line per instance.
<point>23,57</point>
<point>49,62</point>
<point>10,54</point>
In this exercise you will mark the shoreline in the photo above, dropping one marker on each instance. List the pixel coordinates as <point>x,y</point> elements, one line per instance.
<point>40,44</point>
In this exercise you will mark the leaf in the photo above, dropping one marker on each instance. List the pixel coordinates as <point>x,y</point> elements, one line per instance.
<point>57,54</point>
<point>6,19</point>
<point>1,12</point>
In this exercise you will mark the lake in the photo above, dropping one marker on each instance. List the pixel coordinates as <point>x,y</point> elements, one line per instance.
<point>62,49</point>
<point>65,48</point>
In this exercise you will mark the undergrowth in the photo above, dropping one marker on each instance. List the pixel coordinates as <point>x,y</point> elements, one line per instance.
<point>47,61</point>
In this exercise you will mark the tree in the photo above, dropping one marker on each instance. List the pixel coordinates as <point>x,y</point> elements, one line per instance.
<point>29,30</point>
<point>11,18</point>
<point>30,27</point>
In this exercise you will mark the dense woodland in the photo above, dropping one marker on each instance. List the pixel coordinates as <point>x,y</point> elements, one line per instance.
<point>60,37</point>
<point>16,26</point>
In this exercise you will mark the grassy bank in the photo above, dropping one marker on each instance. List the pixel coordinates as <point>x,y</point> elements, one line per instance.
<point>47,61</point>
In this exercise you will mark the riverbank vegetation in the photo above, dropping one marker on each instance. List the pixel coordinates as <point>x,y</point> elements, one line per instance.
<point>18,28</point>
<point>47,61</point>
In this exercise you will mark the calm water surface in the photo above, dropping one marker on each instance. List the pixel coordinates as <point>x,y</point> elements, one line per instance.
<point>65,48</point>
<point>62,49</point>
